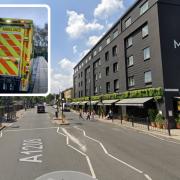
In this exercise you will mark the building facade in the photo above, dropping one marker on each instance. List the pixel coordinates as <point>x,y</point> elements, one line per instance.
<point>141,50</point>
<point>68,93</point>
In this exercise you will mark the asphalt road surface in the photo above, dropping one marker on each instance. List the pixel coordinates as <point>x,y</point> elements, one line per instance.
<point>40,75</point>
<point>34,146</point>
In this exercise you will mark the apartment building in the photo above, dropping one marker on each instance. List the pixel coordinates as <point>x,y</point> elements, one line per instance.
<point>141,50</point>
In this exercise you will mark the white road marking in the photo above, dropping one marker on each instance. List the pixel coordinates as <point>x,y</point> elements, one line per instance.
<point>113,157</point>
<point>32,159</point>
<point>1,134</point>
<point>82,153</point>
<point>32,129</point>
<point>75,140</point>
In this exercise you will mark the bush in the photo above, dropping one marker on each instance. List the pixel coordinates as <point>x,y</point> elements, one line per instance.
<point>152,113</point>
<point>178,119</point>
<point>159,119</point>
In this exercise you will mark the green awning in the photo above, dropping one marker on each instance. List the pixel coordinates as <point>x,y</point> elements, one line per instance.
<point>83,103</point>
<point>107,102</point>
<point>92,102</point>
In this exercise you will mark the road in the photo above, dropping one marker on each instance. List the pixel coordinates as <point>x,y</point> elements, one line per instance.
<point>40,75</point>
<point>35,146</point>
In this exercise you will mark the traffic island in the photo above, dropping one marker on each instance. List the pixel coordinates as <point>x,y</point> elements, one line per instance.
<point>60,121</point>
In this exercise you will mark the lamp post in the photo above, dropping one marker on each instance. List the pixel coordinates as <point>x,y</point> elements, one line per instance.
<point>90,96</point>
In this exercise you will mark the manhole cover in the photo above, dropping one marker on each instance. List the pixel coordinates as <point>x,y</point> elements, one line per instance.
<point>65,175</point>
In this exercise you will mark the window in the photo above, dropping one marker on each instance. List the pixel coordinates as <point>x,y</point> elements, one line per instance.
<point>95,89</point>
<point>107,71</point>
<point>100,89</point>
<point>129,41</point>
<point>130,61</point>
<point>78,75</point>
<point>99,62</point>
<point>115,67</point>
<point>148,77</point>
<point>145,31</point>
<point>144,8</point>
<point>108,87</point>
<point>100,75</point>
<point>115,34</point>
<point>90,57</point>
<point>86,61</point>
<point>108,40</point>
<point>95,53</point>
<point>81,74</point>
<point>116,85</point>
<point>128,22</point>
<point>100,48</point>
<point>107,56</point>
<point>147,53</point>
<point>81,83</point>
<point>114,51</point>
<point>131,81</point>
<point>96,77</point>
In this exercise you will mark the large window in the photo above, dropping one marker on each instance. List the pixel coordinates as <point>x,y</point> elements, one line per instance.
<point>128,22</point>
<point>129,41</point>
<point>116,85</point>
<point>144,7</point>
<point>108,40</point>
<point>100,48</point>
<point>114,51</point>
<point>107,56</point>
<point>130,61</point>
<point>95,53</point>
<point>115,34</point>
<point>148,77</point>
<point>107,71</point>
<point>147,54</point>
<point>107,87</point>
<point>131,81</point>
<point>115,67</point>
<point>145,31</point>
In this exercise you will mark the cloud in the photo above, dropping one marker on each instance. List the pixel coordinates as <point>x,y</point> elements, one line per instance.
<point>93,40</point>
<point>83,53</point>
<point>78,25</point>
<point>75,49</point>
<point>107,8</point>
<point>63,78</point>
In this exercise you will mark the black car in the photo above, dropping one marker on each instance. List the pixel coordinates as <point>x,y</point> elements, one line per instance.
<point>40,108</point>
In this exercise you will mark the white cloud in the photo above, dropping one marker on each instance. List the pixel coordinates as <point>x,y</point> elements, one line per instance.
<point>107,8</point>
<point>83,53</point>
<point>93,40</point>
<point>63,78</point>
<point>78,25</point>
<point>75,49</point>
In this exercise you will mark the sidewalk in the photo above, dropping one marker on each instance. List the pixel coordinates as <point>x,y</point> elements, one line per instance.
<point>175,133</point>
<point>19,115</point>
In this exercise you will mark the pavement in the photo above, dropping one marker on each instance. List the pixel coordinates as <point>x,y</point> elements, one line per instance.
<point>40,75</point>
<point>35,146</point>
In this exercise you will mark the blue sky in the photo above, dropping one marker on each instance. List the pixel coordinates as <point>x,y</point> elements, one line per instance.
<point>75,26</point>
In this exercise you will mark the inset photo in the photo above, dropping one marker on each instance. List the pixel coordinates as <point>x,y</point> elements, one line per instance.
<point>24,49</point>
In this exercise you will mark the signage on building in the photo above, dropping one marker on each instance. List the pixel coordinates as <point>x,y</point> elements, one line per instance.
<point>176,44</point>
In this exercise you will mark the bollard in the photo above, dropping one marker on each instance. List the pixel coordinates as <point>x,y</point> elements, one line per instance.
<point>147,119</point>
<point>132,121</point>
<point>56,114</point>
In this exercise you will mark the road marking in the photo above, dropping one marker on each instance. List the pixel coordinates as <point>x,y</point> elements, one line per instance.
<point>29,147</point>
<point>82,153</point>
<point>32,129</point>
<point>113,157</point>
<point>75,140</point>
<point>1,134</point>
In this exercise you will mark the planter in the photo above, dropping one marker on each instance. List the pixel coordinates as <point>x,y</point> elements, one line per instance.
<point>178,126</point>
<point>159,125</point>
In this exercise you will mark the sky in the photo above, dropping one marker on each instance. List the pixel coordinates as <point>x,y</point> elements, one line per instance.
<point>76,25</point>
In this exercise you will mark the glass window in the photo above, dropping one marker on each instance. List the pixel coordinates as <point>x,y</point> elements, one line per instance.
<point>95,53</point>
<point>130,61</point>
<point>144,8</point>
<point>96,77</point>
<point>107,71</point>
<point>128,22</point>
<point>96,89</point>
<point>145,31</point>
<point>99,62</point>
<point>115,67</point>
<point>108,40</point>
<point>86,60</point>
<point>147,53</point>
<point>108,87</point>
<point>115,34</point>
<point>131,81</point>
<point>100,89</point>
<point>129,41</point>
<point>100,48</point>
<point>148,77</point>
<point>107,56</point>
<point>100,75</point>
<point>90,57</point>
<point>116,85</point>
<point>114,51</point>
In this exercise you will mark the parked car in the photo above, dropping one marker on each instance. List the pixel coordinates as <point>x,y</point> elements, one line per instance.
<point>40,108</point>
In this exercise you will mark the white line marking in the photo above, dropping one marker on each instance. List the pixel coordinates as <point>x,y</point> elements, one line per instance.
<point>19,130</point>
<point>82,153</point>
<point>1,134</point>
<point>75,140</point>
<point>110,155</point>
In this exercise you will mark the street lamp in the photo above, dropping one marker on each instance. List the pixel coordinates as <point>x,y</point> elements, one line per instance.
<point>90,96</point>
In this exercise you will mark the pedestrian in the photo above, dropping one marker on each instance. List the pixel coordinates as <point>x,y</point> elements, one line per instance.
<point>93,114</point>
<point>111,115</point>
<point>88,116</point>
<point>80,115</point>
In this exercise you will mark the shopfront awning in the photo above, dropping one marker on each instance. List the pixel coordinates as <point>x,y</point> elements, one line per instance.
<point>92,102</point>
<point>177,98</point>
<point>133,102</point>
<point>107,102</point>
<point>76,103</point>
<point>83,103</point>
